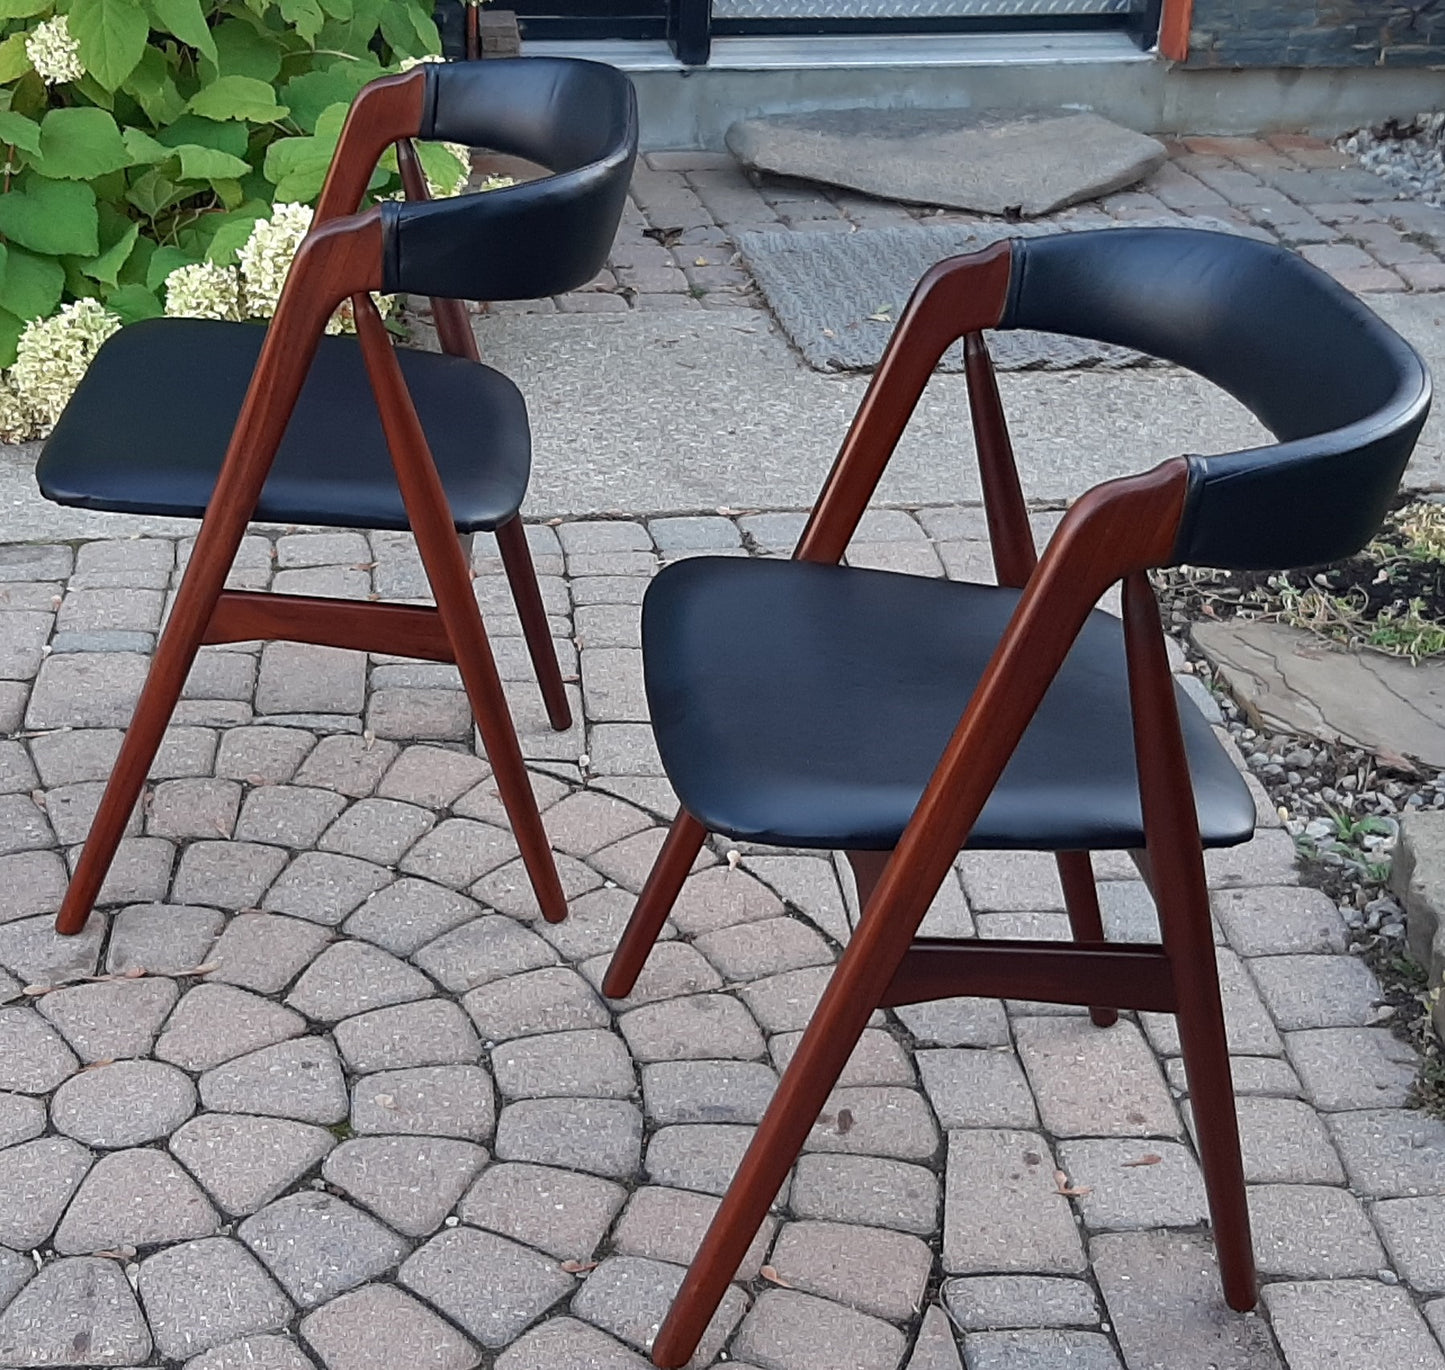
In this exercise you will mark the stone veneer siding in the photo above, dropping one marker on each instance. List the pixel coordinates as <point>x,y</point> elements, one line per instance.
<point>1316,33</point>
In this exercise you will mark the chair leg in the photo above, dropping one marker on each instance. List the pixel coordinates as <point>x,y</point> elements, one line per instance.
<point>1081,898</point>
<point>1205,1048</point>
<point>664,883</point>
<point>522,577</point>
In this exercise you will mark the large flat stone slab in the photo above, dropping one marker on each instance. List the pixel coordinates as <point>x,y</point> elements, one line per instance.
<point>1026,164</point>
<point>1293,681</point>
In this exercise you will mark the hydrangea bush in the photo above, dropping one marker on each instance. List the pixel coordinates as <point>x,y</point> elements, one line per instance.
<point>161,156</point>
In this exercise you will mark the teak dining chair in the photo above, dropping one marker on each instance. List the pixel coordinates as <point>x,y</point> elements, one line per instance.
<point>901,719</point>
<point>195,417</point>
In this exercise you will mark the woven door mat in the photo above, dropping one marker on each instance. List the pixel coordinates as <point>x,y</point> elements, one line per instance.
<point>838,295</point>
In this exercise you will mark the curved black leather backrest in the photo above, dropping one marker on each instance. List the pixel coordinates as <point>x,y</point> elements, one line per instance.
<point>1345,395</point>
<point>578,119</point>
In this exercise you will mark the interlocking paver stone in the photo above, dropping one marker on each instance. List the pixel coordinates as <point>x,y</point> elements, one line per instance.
<point>876,1120</point>
<point>433,776</point>
<point>788,1330</point>
<point>509,890</point>
<point>701,1156</point>
<point>1391,1153</point>
<point>216,1023</point>
<point>977,1089</point>
<point>298,678</point>
<point>1353,1068</point>
<point>673,969</point>
<point>1411,1229</point>
<point>593,926</point>
<point>429,1033</point>
<point>481,951</point>
<point>1002,1209</point>
<point>432,1101</point>
<point>194,808</point>
<point>21,1118</point>
<point>553,999</point>
<point>37,1180</point>
<point>878,1059</point>
<point>1093,1082</point>
<point>629,1296</point>
<point>1131,1184</point>
<point>1162,1293</point>
<point>324,886</point>
<point>567,1341</point>
<point>300,1079</point>
<point>15,1271</point>
<point>459,851</point>
<point>407,915</point>
<point>244,1162</point>
<point>703,1026</point>
<point>752,950</point>
<point>1284,1142</point>
<point>75,1307</point>
<point>203,1294</point>
<point>350,765</point>
<point>229,875</point>
<point>33,1056</point>
<point>379,1327</point>
<point>1024,1350</point>
<point>711,899</point>
<point>1279,920</point>
<point>557,1211</point>
<point>37,955</point>
<point>107,1021</point>
<point>868,1268</point>
<point>564,1065</point>
<point>134,1198</point>
<point>287,815</point>
<point>987,1302</point>
<point>318,1247</point>
<point>30,883</point>
<point>124,1103</point>
<point>871,1190</point>
<point>587,821</point>
<point>87,690</point>
<point>412,1183</point>
<point>265,951</point>
<point>1247,1025</point>
<point>957,1022</point>
<point>490,1286</point>
<point>1317,991</point>
<point>140,872</point>
<point>351,977</point>
<point>600,1136</point>
<point>254,1353</point>
<point>162,939</point>
<point>707,1091</point>
<point>668,1225</point>
<point>377,830</point>
<point>1350,1323</point>
<point>1311,1232</point>
<point>262,754</point>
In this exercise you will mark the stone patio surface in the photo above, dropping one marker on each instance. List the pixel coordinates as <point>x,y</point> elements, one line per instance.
<point>338,1098</point>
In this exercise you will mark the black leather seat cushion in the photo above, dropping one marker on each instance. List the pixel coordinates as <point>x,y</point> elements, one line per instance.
<point>806,706</point>
<point>148,426</point>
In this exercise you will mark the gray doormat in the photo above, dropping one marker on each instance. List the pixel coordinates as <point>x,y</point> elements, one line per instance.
<point>838,295</point>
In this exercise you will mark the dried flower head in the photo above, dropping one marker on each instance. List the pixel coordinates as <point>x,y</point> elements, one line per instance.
<point>266,257</point>
<point>52,356</point>
<point>53,53</point>
<point>204,291</point>
<point>407,63</point>
<point>16,425</point>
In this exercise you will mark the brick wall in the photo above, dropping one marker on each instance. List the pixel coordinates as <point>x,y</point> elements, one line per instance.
<point>1317,33</point>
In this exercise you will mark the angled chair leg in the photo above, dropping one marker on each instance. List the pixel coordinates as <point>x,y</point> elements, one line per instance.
<point>522,577</point>
<point>664,883</point>
<point>1081,898</point>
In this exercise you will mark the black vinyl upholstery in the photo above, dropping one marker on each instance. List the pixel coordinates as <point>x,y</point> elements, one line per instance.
<point>543,237</point>
<point>149,424</point>
<point>1345,395</point>
<point>806,705</point>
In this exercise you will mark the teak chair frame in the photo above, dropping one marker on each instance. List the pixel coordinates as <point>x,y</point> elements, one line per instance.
<point>1116,532</point>
<point>341,258</point>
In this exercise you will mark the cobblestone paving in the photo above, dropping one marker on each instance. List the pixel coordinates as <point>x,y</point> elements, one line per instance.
<point>674,249</point>
<point>317,1088</point>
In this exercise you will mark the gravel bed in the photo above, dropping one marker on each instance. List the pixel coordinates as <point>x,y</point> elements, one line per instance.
<point>1409,155</point>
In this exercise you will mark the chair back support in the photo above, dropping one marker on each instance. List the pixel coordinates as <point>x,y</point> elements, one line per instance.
<point>543,237</point>
<point>1345,395</point>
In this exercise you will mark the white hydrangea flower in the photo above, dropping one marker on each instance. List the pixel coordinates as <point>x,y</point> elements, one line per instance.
<point>16,425</point>
<point>53,353</point>
<point>407,63</point>
<point>204,291</point>
<point>53,53</point>
<point>267,255</point>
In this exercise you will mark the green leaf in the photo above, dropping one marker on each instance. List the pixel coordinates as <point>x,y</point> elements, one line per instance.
<point>230,236</point>
<point>14,60</point>
<point>134,303</point>
<point>22,9</point>
<point>242,51</point>
<point>229,191</point>
<point>106,267</point>
<point>143,149</point>
<point>312,93</point>
<point>440,164</point>
<point>18,131</point>
<point>138,262</point>
<point>77,144</point>
<point>208,164</point>
<point>10,331</point>
<point>154,89</point>
<point>112,37</point>
<point>407,30</point>
<point>51,217</point>
<point>238,97</point>
<point>304,16</point>
<point>153,192</point>
<point>185,19</point>
<point>338,9</point>
<point>32,284</point>
<point>165,260</point>
<point>190,128</point>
